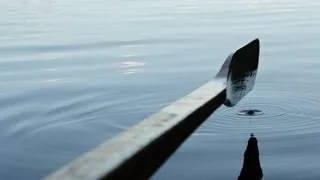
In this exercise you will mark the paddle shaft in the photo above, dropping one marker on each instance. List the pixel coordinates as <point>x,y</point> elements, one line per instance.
<point>142,149</point>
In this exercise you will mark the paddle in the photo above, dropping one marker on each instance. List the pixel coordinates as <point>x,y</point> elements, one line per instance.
<point>138,152</point>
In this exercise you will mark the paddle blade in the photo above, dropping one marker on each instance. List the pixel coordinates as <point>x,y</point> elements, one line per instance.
<point>242,72</point>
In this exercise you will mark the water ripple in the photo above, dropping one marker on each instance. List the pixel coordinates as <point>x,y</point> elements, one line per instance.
<point>284,114</point>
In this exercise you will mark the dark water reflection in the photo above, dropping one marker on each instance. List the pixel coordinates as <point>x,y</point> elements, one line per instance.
<point>75,73</point>
<point>251,167</point>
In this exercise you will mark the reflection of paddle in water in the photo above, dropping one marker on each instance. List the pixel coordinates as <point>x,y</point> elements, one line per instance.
<point>251,169</point>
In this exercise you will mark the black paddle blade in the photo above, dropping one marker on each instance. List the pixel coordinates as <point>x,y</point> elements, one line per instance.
<point>242,71</point>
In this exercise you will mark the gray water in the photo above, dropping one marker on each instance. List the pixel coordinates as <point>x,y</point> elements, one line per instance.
<point>74,73</point>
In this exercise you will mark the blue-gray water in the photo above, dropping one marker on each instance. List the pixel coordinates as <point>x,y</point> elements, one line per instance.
<point>74,73</point>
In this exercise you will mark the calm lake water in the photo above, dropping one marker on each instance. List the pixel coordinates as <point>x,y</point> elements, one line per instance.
<point>74,73</point>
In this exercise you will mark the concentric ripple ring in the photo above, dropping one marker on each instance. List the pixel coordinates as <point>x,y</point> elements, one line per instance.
<point>282,114</point>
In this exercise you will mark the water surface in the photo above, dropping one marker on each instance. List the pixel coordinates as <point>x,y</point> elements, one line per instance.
<point>74,73</point>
